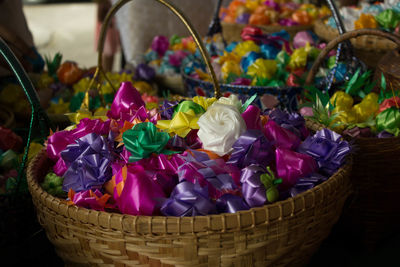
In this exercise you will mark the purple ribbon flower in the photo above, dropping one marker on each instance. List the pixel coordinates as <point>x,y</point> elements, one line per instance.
<point>293,122</point>
<point>306,183</point>
<point>167,109</point>
<point>251,148</point>
<point>144,72</point>
<point>88,161</point>
<point>229,203</point>
<point>212,173</point>
<point>188,199</point>
<point>253,189</point>
<point>327,148</point>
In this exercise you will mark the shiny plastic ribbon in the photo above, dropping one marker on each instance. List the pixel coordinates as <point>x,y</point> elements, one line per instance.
<point>143,140</point>
<point>167,109</point>
<point>328,149</point>
<point>181,124</point>
<point>293,122</point>
<point>280,136</point>
<point>89,199</point>
<point>88,161</point>
<point>136,192</point>
<point>220,127</point>
<point>291,166</point>
<point>230,203</point>
<point>251,148</point>
<point>253,189</point>
<point>126,101</point>
<point>251,117</point>
<point>203,101</point>
<point>263,68</point>
<point>52,184</point>
<point>306,183</point>
<point>188,199</point>
<point>389,121</point>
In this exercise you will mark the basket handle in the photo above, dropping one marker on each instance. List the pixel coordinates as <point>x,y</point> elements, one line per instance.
<point>184,20</point>
<point>37,111</point>
<point>344,37</point>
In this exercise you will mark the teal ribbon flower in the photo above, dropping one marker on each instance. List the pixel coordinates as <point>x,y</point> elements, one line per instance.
<point>144,139</point>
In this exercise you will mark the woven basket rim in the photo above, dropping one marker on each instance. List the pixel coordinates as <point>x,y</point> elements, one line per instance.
<point>365,42</point>
<point>128,223</point>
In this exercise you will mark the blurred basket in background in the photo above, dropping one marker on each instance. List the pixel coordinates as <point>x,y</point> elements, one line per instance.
<point>375,175</point>
<point>369,48</point>
<point>231,31</point>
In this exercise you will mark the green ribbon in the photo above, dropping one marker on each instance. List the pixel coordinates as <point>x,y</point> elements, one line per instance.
<point>388,19</point>
<point>187,105</point>
<point>389,121</point>
<point>52,184</point>
<point>271,183</point>
<point>37,115</point>
<point>143,140</point>
<point>247,103</point>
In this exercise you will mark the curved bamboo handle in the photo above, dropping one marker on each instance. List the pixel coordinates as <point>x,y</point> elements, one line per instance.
<point>346,36</point>
<point>181,16</point>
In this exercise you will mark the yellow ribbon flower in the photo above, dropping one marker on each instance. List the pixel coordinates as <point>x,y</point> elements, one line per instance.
<point>230,67</point>
<point>204,102</point>
<point>76,117</point>
<point>263,68</point>
<point>228,57</point>
<point>243,48</point>
<point>58,108</point>
<point>298,59</point>
<point>181,124</point>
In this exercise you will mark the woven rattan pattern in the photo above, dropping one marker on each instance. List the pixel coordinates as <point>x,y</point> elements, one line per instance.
<point>286,233</point>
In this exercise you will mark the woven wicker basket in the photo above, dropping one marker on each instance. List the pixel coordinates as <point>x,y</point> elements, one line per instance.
<point>369,48</point>
<point>231,31</point>
<point>286,233</point>
<point>375,175</point>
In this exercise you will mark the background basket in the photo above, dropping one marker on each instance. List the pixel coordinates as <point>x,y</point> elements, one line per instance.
<point>281,234</point>
<point>232,31</point>
<point>375,210</point>
<point>287,96</point>
<point>369,48</point>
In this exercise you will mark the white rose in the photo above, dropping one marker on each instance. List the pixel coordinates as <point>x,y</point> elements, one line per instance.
<point>220,127</point>
<point>232,100</point>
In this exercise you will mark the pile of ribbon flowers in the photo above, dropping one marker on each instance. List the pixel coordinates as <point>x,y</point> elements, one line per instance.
<point>385,16</point>
<point>196,157</point>
<point>270,12</point>
<point>262,59</point>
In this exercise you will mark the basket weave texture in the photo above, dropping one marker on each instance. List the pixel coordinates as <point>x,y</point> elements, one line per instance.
<point>285,233</point>
<point>231,31</point>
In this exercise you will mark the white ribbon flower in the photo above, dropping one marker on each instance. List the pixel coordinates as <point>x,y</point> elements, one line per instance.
<point>232,100</point>
<point>220,127</point>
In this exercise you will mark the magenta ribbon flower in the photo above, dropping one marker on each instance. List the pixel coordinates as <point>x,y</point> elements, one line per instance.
<point>188,199</point>
<point>291,165</point>
<point>251,148</point>
<point>88,161</point>
<point>328,149</point>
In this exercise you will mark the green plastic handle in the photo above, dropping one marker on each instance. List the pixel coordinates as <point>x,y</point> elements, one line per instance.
<point>38,114</point>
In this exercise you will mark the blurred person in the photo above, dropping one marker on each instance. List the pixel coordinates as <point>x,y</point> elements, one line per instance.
<point>111,43</point>
<point>15,32</point>
<point>139,21</point>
